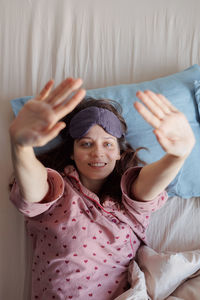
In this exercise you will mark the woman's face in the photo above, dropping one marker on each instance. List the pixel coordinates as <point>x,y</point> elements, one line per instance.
<point>95,155</point>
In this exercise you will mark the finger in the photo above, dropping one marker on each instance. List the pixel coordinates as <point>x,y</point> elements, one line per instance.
<point>158,101</point>
<point>46,90</point>
<point>168,104</point>
<point>63,110</point>
<point>60,87</point>
<point>52,133</point>
<point>147,115</point>
<point>64,91</point>
<point>152,106</point>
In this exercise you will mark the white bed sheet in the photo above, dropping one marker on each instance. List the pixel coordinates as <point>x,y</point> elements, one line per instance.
<point>105,43</point>
<point>175,227</point>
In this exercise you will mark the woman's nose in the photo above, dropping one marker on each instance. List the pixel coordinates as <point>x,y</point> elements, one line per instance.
<point>97,151</point>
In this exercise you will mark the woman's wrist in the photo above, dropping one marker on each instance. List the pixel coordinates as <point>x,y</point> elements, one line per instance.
<point>170,158</point>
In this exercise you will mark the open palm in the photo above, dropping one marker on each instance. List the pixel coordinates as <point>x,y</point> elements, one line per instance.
<point>38,121</point>
<point>171,127</point>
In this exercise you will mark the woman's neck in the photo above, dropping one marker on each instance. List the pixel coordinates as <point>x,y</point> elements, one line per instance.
<point>94,185</point>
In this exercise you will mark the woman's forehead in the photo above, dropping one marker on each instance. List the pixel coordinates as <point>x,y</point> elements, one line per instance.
<point>97,131</point>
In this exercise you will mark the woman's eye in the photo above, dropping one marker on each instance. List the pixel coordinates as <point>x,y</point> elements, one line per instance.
<point>109,145</point>
<point>86,144</point>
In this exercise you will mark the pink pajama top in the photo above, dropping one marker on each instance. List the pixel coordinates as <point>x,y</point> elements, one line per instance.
<point>82,249</point>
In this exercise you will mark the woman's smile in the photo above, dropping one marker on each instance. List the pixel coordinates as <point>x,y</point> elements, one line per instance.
<point>97,164</point>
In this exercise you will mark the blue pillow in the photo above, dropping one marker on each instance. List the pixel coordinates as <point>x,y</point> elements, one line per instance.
<point>197,93</point>
<point>180,89</point>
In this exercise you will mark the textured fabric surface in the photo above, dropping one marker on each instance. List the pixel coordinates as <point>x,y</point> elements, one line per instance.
<point>85,119</point>
<point>82,249</point>
<point>164,276</point>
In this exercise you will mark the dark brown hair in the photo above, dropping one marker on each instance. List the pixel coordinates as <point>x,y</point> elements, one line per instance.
<point>59,157</point>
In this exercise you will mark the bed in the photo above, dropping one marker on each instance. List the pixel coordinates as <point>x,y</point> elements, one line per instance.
<point>117,47</point>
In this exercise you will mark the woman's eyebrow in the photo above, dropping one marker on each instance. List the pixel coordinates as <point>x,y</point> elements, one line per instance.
<point>105,138</point>
<point>84,137</point>
<point>109,137</point>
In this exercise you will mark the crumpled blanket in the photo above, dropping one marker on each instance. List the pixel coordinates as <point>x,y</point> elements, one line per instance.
<point>159,276</point>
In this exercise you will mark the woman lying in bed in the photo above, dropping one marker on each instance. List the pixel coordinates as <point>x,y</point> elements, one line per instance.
<point>88,215</point>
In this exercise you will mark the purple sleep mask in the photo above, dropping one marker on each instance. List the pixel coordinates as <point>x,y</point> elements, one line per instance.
<point>86,118</point>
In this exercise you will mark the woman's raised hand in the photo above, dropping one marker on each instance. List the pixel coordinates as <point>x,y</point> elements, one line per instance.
<point>38,121</point>
<point>171,127</point>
